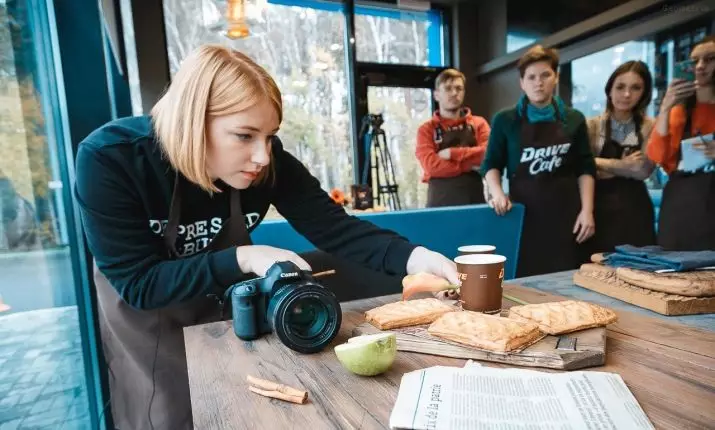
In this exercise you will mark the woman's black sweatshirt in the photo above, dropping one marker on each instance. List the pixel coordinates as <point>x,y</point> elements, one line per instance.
<point>124,187</point>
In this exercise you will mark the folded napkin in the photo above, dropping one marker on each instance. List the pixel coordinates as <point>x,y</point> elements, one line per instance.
<point>655,258</point>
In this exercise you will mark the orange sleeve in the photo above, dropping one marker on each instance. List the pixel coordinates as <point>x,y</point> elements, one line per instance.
<point>663,150</point>
<point>475,155</point>
<point>426,152</point>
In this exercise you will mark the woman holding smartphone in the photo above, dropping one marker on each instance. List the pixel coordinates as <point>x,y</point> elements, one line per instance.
<point>543,145</point>
<point>623,210</point>
<point>687,117</point>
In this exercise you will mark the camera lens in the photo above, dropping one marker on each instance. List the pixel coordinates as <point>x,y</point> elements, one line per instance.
<point>306,318</point>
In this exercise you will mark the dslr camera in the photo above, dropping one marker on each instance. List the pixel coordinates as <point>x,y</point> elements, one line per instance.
<point>371,122</point>
<point>304,314</point>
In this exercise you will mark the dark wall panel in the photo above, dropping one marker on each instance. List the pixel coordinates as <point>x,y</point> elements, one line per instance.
<point>480,35</point>
<point>496,92</point>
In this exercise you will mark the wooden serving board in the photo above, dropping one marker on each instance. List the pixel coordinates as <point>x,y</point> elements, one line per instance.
<point>602,279</point>
<point>590,348</point>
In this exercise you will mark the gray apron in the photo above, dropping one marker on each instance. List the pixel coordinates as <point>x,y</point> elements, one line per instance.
<point>463,189</point>
<point>144,349</point>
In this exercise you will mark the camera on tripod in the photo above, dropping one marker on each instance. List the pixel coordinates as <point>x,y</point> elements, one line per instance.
<point>382,187</point>
<point>304,314</point>
<point>371,120</point>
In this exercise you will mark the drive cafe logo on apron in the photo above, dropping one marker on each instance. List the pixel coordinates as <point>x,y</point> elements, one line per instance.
<point>196,236</point>
<point>546,159</point>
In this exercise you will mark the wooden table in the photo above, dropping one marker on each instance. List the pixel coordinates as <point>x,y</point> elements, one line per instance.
<point>670,368</point>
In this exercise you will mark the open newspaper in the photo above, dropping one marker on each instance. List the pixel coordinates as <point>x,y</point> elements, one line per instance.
<point>476,398</point>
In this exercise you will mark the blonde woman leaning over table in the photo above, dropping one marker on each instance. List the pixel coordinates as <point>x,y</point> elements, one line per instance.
<point>168,201</point>
<point>687,114</point>
<point>623,209</point>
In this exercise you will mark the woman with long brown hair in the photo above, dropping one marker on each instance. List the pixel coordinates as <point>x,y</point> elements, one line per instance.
<point>623,208</point>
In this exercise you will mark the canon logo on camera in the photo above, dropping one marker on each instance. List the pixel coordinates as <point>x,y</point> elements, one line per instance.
<point>289,275</point>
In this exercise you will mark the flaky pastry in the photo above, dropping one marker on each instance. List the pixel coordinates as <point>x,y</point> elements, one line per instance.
<point>563,317</point>
<point>408,313</point>
<point>489,332</point>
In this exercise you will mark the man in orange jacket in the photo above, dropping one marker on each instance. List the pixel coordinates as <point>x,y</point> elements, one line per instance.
<point>451,146</point>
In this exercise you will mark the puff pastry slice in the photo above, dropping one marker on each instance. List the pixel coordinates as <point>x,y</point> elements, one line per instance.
<point>489,332</point>
<point>563,317</point>
<point>408,313</point>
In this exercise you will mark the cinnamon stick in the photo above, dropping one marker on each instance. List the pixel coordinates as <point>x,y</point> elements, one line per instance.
<point>278,395</point>
<point>276,390</point>
<point>325,273</point>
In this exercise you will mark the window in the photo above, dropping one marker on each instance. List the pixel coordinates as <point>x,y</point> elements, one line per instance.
<point>303,49</point>
<point>42,377</point>
<point>399,37</point>
<point>515,42</point>
<point>404,110</point>
<point>590,74</point>
<point>528,20</point>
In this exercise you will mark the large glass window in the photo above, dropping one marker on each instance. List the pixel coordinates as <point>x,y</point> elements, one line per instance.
<point>514,42</point>
<point>589,74</point>
<point>399,37</point>
<point>42,372</point>
<point>404,110</point>
<point>303,49</point>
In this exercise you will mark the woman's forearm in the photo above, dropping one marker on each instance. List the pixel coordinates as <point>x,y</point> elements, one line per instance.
<point>586,185</point>
<point>493,178</point>
<point>662,122</point>
<point>619,167</point>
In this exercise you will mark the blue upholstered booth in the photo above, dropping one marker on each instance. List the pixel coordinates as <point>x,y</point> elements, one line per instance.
<point>440,229</point>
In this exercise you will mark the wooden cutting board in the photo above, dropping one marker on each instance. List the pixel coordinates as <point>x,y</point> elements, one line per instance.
<point>590,348</point>
<point>602,279</point>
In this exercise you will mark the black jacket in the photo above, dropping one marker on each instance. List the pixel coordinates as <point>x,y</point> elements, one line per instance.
<point>124,187</point>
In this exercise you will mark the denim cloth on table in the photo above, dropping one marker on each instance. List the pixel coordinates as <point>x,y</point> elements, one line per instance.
<point>653,258</point>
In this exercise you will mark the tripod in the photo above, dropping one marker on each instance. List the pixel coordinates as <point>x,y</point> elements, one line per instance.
<point>379,160</point>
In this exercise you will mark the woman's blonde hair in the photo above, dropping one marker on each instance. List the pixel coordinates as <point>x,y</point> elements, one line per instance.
<point>212,81</point>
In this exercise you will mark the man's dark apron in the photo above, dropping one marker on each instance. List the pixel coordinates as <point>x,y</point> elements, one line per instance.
<point>463,189</point>
<point>687,212</point>
<point>144,349</point>
<point>623,209</point>
<point>551,199</point>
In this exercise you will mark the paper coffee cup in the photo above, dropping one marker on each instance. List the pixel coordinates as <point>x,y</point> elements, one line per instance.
<point>476,249</point>
<point>480,277</point>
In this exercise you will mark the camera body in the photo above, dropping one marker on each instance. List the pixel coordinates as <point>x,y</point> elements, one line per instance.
<point>304,314</point>
<point>372,123</point>
<point>375,120</point>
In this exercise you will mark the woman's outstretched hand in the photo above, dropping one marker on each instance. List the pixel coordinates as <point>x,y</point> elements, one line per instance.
<point>259,258</point>
<point>422,260</point>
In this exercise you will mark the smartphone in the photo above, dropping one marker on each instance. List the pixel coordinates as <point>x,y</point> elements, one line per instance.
<point>684,70</point>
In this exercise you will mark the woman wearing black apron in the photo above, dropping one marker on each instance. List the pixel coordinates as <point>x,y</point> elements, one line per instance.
<point>167,204</point>
<point>544,147</point>
<point>682,145</point>
<point>623,208</point>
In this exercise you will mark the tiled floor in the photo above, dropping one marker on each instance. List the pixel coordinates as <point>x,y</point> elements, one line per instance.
<point>42,384</point>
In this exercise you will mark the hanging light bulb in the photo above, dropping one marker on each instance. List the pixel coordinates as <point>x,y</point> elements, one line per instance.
<point>236,19</point>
